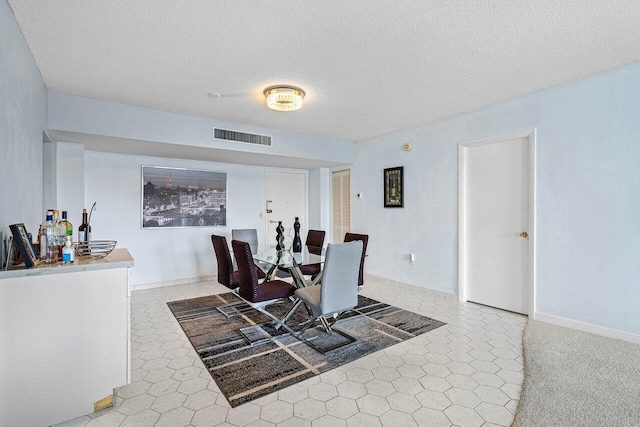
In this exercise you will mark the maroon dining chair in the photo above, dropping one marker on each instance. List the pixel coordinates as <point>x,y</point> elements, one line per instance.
<point>350,237</point>
<point>257,295</point>
<point>314,242</point>
<point>226,275</point>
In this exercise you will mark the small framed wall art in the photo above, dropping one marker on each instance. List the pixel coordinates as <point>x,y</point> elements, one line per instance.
<point>393,187</point>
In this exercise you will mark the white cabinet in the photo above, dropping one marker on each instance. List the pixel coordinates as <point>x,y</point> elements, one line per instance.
<point>64,339</point>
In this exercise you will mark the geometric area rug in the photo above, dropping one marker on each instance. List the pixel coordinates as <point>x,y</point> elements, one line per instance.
<point>276,359</point>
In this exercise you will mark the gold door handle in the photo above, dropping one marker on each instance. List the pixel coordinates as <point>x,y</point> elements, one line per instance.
<point>272,221</point>
<point>524,234</point>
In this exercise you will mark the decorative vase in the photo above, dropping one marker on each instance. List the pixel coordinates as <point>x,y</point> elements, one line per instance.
<point>297,243</point>
<point>280,236</point>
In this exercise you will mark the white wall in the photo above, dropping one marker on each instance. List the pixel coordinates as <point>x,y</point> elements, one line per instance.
<point>70,182</point>
<point>23,116</point>
<point>161,255</point>
<point>588,197</point>
<point>49,176</point>
<point>103,118</point>
<point>319,200</point>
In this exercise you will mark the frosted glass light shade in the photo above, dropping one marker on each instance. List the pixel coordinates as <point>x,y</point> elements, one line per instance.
<point>284,98</point>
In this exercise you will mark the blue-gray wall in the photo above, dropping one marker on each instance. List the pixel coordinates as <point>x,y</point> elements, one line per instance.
<point>23,117</point>
<point>588,197</point>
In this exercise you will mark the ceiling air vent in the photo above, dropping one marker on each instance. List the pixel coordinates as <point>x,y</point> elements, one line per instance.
<point>231,135</point>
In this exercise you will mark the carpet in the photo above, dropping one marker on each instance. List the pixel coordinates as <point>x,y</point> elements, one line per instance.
<point>244,372</point>
<point>573,378</point>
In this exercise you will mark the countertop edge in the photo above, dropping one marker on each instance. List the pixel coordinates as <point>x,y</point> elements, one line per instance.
<point>118,258</point>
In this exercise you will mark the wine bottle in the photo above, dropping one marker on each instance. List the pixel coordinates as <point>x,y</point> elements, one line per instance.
<point>60,231</point>
<point>68,225</point>
<point>84,231</point>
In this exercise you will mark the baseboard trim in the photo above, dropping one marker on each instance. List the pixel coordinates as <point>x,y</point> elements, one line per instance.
<point>379,281</point>
<point>591,328</point>
<point>143,286</point>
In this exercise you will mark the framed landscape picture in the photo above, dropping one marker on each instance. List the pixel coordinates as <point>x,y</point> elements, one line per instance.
<point>173,197</point>
<point>393,187</point>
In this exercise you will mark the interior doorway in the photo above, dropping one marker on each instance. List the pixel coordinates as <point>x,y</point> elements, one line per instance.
<point>286,199</point>
<point>341,205</point>
<point>496,222</point>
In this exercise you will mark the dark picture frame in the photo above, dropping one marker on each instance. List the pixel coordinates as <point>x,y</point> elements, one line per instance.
<point>394,187</point>
<point>23,242</point>
<point>179,198</point>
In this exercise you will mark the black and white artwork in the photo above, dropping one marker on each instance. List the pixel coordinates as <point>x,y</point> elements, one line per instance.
<point>174,197</point>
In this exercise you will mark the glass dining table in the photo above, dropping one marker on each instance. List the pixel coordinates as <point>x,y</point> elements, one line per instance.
<point>271,260</point>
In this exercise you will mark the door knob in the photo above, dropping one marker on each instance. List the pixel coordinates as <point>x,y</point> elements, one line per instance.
<point>524,234</point>
<point>272,221</point>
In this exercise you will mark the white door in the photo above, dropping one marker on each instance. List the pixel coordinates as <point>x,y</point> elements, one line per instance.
<point>286,199</point>
<point>495,196</point>
<point>341,201</point>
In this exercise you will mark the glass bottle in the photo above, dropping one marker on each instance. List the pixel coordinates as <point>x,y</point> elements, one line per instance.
<point>42,238</point>
<point>67,224</point>
<point>84,231</point>
<point>60,230</point>
<point>84,235</point>
<point>50,241</point>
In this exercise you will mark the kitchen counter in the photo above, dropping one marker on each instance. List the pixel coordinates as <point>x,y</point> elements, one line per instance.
<point>65,338</point>
<point>118,258</point>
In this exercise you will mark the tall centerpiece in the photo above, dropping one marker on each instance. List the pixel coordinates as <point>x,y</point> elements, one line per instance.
<point>297,243</point>
<point>280,236</point>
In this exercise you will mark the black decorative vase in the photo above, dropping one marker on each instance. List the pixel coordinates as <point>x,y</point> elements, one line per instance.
<point>280,236</point>
<point>297,243</point>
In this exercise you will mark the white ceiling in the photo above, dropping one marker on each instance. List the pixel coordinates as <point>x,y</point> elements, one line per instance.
<point>368,67</point>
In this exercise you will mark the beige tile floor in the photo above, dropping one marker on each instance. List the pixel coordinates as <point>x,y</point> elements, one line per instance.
<point>467,373</point>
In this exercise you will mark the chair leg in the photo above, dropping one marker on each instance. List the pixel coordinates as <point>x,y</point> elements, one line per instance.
<point>307,325</point>
<point>316,280</point>
<point>325,324</point>
<point>277,321</point>
<point>289,314</point>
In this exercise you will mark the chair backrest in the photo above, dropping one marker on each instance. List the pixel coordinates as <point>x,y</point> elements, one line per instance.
<point>247,271</point>
<point>338,291</point>
<point>249,235</point>
<point>364,238</point>
<point>225,265</point>
<point>315,240</point>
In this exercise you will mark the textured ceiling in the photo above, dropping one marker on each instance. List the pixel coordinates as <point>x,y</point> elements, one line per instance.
<point>368,67</point>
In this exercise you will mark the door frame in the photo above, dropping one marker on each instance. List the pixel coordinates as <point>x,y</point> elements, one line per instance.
<point>304,172</point>
<point>462,211</point>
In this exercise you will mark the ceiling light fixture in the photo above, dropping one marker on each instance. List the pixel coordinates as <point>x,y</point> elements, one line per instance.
<point>284,98</point>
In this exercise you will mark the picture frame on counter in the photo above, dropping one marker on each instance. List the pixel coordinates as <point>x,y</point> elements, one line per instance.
<point>24,245</point>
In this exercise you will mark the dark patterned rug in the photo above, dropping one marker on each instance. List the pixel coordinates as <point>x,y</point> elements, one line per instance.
<point>276,360</point>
